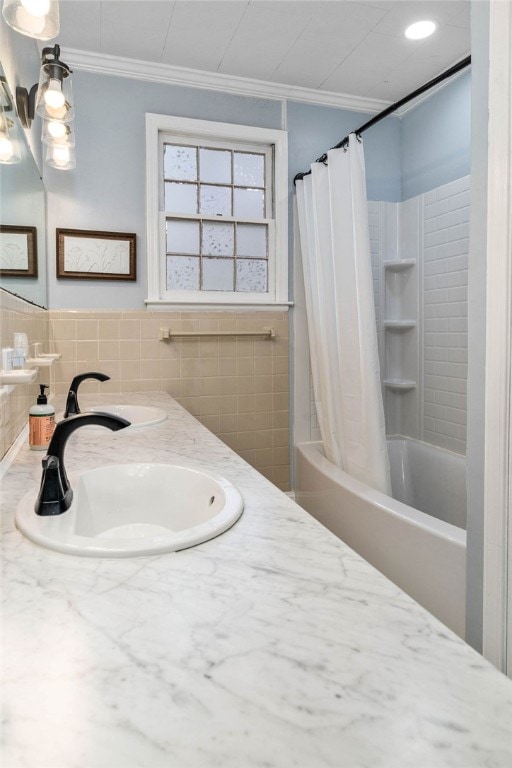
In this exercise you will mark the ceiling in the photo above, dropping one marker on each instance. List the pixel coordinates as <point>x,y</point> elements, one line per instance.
<point>352,47</point>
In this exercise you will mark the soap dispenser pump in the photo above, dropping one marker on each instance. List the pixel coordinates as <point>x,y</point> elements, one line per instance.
<point>41,421</point>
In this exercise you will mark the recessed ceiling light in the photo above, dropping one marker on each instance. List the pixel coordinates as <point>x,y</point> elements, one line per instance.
<point>420,29</point>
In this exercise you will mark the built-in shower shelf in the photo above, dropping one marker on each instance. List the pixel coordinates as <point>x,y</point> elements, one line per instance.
<point>399,385</point>
<point>399,265</point>
<point>399,325</point>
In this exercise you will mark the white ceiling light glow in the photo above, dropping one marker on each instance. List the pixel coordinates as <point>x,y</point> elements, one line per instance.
<point>420,29</point>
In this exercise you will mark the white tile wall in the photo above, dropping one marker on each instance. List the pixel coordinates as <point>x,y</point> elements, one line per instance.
<point>445,280</point>
<point>443,321</point>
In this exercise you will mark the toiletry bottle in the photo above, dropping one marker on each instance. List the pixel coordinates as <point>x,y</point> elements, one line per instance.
<point>41,422</point>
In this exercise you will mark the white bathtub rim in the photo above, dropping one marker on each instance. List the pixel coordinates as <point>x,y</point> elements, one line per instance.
<point>312,451</point>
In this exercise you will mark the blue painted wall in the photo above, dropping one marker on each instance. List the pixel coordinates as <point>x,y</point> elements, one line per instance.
<point>429,147</point>
<point>312,130</point>
<point>107,189</point>
<point>435,139</point>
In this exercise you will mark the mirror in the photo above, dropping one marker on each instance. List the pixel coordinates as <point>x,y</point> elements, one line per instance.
<point>22,217</point>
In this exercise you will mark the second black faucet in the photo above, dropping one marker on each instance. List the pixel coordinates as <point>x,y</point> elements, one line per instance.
<point>72,407</point>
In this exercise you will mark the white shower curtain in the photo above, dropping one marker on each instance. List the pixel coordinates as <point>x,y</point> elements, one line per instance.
<point>335,245</point>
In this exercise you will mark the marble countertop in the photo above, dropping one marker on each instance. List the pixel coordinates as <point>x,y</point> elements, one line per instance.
<point>272,645</point>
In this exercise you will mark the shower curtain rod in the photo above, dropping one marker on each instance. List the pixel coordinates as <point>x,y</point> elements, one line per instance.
<point>392,108</point>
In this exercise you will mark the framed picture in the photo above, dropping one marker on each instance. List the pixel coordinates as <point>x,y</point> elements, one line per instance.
<point>88,255</point>
<point>18,251</point>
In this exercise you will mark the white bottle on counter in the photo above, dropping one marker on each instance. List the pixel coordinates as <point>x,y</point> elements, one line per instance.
<point>41,422</point>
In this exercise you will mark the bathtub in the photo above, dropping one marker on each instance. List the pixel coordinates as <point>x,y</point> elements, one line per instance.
<point>418,538</point>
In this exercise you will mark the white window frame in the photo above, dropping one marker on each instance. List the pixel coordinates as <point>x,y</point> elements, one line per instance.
<point>203,130</point>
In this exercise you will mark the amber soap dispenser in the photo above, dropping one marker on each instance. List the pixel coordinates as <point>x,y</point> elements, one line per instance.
<point>41,422</point>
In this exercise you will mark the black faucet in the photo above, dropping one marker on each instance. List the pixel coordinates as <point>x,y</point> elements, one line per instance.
<point>72,401</point>
<point>55,495</point>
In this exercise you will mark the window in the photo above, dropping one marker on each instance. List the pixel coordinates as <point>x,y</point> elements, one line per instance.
<point>217,213</point>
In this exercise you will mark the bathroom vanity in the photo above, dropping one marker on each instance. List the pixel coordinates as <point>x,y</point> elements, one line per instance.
<point>273,644</point>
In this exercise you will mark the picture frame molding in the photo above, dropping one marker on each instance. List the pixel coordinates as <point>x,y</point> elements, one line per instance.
<point>62,273</point>
<point>31,232</point>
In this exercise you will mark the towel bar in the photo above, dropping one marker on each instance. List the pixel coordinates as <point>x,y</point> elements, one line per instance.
<point>166,333</point>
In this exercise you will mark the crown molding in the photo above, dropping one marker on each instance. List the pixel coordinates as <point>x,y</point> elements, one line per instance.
<point>169,74</point>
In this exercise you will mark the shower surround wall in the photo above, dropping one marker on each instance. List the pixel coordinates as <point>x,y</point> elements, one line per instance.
<point>433,229</point>
<point>445,292</point>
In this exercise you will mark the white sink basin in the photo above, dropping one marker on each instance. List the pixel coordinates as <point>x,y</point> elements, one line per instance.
<point>137,415</point>
<point>135,509</point>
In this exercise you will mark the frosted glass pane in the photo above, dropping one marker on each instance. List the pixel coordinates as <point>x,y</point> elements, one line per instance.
<point>183,273</point>
<point>180,163</point>
<point>218,239</point>
<point>215,201</point>
<point>251,240</point>
<point>249,170</point>
<point>251,275</point>
<point>183,237</point>
<point>215,166</point>
<point>180,198</point>
<point>218,274</point>
<point>248,203</point>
